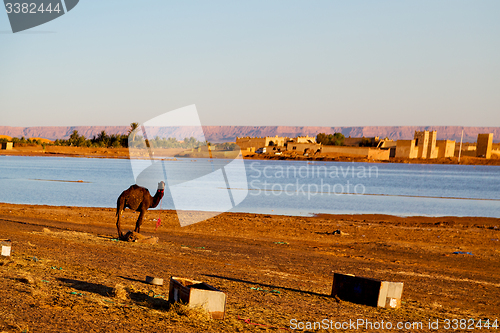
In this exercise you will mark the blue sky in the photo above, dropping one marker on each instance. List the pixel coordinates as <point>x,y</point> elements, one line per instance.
<point>279,62</point>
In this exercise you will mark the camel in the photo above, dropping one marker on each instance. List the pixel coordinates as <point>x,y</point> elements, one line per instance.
<point>137,198</point>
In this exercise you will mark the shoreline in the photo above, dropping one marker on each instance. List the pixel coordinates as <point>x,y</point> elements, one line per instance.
<point>374,216</point>
<point>123,153</point>
<point>465,160</point>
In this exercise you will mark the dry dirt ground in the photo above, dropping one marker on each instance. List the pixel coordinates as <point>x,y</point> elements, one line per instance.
<point>66,151</point>
<point>67,273</point>
<point>340,157</point>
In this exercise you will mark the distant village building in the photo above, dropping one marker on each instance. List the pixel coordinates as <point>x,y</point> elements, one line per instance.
<point>307,145</point>
<point>304,139</point>
<point>6,145</point>
<point>367,152</point>
<point>484,145</point>
<point>445,148</point>
<point>386,143</point>
<point>424,145</point>
<point>302,147</point>
<point>390,145</point>
<point>468,149</point>
<point>406,149</point>
<point>246,143</point>
<point>252,144</point>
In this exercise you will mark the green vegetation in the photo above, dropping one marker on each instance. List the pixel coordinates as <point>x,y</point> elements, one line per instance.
<point>336,139</point>
<point>366,142</point>
<point>103,140</point>
<point>226,146</point>
<point>118,141</point>
<point>158,142</point>
<point>22,142</point>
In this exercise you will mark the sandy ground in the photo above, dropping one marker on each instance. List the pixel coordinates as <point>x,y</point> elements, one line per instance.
<point>464,160</point>
<point>67,273</point>
<point>81,152</point>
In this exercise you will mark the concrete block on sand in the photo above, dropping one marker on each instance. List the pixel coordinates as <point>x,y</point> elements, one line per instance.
<point>132,236</point>
<point>367,291</point>
<point>198,294</point>
<point>5,245</point>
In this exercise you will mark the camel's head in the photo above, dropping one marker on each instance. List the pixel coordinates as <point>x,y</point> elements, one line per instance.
<point>161,186</point>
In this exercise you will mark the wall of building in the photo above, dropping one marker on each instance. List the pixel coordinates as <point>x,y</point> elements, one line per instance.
<point>468,149</point>
<point>275,149</point>
<point>422,142</point>
<point>484,145</point>
<point>445,148</point>
<point>471,153</point>
<point>358,151</point>
<point>432,152</point>
<point>248,142</point>
<point>275,140</point>
<point>379,154</point>
<point>304,139</point>
<point>406,149</point>
<point>386,143</point>
<point>301,147</point>
<point>368,152</point>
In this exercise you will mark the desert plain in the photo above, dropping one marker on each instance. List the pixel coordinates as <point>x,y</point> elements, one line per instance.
<point>68,273</point>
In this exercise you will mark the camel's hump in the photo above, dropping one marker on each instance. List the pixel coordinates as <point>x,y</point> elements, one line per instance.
<point>136,186</point>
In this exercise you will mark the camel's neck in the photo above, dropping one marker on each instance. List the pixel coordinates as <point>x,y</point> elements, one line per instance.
<point>156,199</point>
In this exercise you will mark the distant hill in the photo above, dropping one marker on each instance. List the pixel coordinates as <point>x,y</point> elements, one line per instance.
<point>229,133</point>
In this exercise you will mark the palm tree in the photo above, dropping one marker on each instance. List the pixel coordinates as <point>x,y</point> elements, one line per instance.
<point>133,127</point>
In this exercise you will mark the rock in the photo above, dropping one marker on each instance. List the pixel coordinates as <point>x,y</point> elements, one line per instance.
<point>28,279</point>
<point>341,233</point>
<point>132,236</point>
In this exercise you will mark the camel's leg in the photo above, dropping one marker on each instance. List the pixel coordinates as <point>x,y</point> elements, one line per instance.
<point>120,206</point>
<point>140,220</point>
<point>120,234</point>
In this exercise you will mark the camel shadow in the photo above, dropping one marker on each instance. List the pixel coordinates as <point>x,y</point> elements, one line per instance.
<point>150,299</point>
<point>267,285</point>
<point>133,280</point>
<point>89,287</point>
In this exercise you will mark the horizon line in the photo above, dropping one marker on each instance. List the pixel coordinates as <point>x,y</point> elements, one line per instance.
<point>463,126</point>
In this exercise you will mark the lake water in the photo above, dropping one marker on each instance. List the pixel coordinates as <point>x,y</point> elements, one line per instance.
<point>274,187</point>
